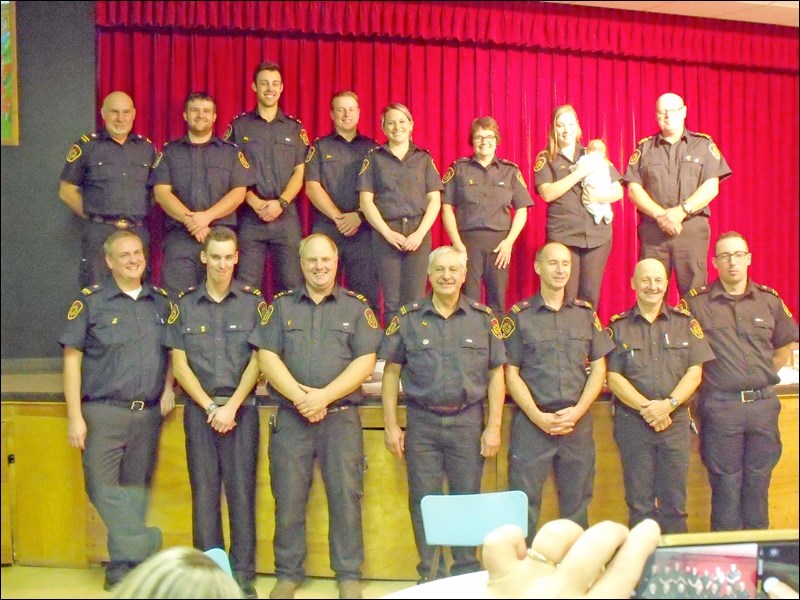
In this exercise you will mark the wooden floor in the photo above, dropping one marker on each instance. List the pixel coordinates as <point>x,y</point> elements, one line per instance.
<point>42,582</point>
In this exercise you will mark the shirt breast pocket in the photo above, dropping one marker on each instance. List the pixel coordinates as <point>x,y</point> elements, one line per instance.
<point>294,339</point>
<point>654,174</point>
<point>475,353</point>
<point>421,360</point>
<point>219,177</point>
<point>100,171</point>
<point>676,350</point>
<point>761,331</point>
<point>111,331</point>
<point>501,193</point>
<point>195,337</point>
<point>341,339</point>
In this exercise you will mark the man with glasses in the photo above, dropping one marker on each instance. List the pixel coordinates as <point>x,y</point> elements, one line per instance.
<point>479,193</point>
<point>750,331</point>
<point>672,177</point>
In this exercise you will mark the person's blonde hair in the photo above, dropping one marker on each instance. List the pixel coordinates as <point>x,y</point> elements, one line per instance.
<point>552,142</point>
<point>178,572</point>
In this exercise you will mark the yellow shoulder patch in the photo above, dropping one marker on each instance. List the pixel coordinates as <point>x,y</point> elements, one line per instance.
<point>521,180</point>
<point>541,161</point>
<point>75,310</point>
<point>712,147</point>
<point>786,310</point>
<point>637,154</point>
<point>74,153</point>
<point>159,156</point>
<point>311,152</point>
<point>507,327</point>
<point>496,331</point>
<point>243,160</point>
<point>696,329</point>
<point>304,137</point>
<point>174,313</point>
<point>266,313</point>
<point>372,321</point>
<point>610,332</point>
<point>228,132</point>
<point>448,175</point>
<point>597,324</point>
<point>364,166</point>
<point>683,305</point>
<point>393,326</point>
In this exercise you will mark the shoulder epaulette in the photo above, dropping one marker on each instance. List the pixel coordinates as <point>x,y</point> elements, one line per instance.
<point>644,139</point>
<point>680,310</point>
<point>705,135</point>
<point>482,308</point>
<point>509,162</point>
<point>701,290</point>
<point>139,136</point>
<point>766,288</point>
<point>283,293</point>
<point>293,118</point>
<point>188,290</point>
<point>520,306</point>
<point>89,137</point>
<point>241,115</point>
<point>249,289</point>
<point>462,159</point>
<point>619,316</point>
<point>356,295</point>
<point>407,308</point>
<point>583,303</point>
<point>88,291</point>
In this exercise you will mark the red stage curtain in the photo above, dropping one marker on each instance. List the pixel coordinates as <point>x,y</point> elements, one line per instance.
<point>453,61</point>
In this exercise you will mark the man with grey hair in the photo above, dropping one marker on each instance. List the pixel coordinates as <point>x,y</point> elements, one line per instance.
<point>449,353</point>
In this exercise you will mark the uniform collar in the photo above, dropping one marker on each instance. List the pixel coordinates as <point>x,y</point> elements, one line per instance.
<point>279,116</point>
<point>111,289</point>
<point>428,307</point>
<point>635,312</point>
<point>234,290</point>
<point>187,142</point>
<point>495,162</point>
<point>336,136</point>
<point>412,148</point>
<point>538,303</point>
<point>304,293</point>
<point>104,136</point>
<point>717,289</point>
<point>684,137</point>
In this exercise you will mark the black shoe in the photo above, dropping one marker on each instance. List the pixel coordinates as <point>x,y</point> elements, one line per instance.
<point>115,572</point>
<point>248,590</point>
<point>155,538</point>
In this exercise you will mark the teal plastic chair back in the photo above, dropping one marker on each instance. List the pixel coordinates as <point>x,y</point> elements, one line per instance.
<point>464,520</point>
<point>219,556</point>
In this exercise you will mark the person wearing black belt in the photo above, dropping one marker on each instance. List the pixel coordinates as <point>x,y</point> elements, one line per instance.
<point>672,177</point>
<point>316,346</point>
<point>275,144</point>
<point>332,166</point>
<point>479,193</point>
<point>653,371</point>
<point>199,180</point>
<point>750,330</point>
<point>549,339</point>
<point>448,351</point>
<point>400,195</point>
<point>104,182</point>
<point>118,386</point>
<point>216,367</point>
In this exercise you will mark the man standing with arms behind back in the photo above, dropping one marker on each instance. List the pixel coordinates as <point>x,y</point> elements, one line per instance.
<point>116,376</point>
<point>332,166</point>
<point>750,330</point>
<point>672,177</point>
<point>104,182</point>
<point>275,144</point>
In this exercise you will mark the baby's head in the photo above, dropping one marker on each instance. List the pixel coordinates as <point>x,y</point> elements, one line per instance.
<point>596,146</point>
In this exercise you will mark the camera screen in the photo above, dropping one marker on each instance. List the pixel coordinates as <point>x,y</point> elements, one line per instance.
<point>734,570</point>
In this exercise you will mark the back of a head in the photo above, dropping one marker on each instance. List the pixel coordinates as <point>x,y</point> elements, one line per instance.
<point>178,572</point>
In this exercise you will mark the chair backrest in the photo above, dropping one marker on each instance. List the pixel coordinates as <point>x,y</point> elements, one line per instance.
<point>219,556</point>
<point>464,520</point>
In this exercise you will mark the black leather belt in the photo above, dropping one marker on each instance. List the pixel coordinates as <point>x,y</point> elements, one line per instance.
<point>138,404</point>
<point>118,222</point>
<point>223,400</point>
<point>744,395</point>
<point>444,410</point>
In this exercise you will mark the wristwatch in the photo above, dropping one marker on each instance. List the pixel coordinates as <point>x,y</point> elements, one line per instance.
<point>673,401</point>
<point>211,408</point>
<point>283,202</point>
<point>686,209</point>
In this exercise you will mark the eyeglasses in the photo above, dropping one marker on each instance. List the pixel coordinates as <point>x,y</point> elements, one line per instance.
<point>479,139</point>
<point>668,112</point>
<point>727,256</point>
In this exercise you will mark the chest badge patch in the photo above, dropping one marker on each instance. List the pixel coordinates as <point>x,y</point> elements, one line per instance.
<point>696,329</point>
<point>507,327</point>
<point>371,320</point>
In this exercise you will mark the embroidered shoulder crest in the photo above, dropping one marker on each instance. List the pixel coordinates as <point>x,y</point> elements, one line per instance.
<point>448,175</point>
<point>88,291</point>
<point>311,152</point>
<point>541,161</point>
<point>249,289</point>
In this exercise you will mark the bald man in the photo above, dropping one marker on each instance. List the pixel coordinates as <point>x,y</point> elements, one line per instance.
<point>104,182</point>
<point>654,369</point>
<point>672,177</point>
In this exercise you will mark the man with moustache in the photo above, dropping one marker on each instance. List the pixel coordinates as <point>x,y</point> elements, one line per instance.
<point>750,330</point>
<point>672,177</point>
<point>199,180</point>
<point>104,182</point>
<point>331,175</point>
<point>316,346</point>
<point>653,371</point>
<point>275,144</point>
<point>118,386</point>
<point>448,351</point>
<point>218,370</point>
<point>549,339</point>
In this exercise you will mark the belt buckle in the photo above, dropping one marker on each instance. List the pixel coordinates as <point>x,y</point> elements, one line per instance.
<point>745,398</point>
<point>137,405</point>
<point>122,224</point>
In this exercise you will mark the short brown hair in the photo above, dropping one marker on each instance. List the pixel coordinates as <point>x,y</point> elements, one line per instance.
<point>486,122</point>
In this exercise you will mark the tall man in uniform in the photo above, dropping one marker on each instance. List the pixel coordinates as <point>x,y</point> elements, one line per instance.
<point>549,339</point>
<point>672,177</point>
<point>275,144</point>
<point>199,181</point>
<point>117,386</point>
<point>316,346</point>
<point>653,371</point>
<point>218,370</point>
<point>750,330</point>
<point>331,174</point>
<point>104,182</point>
<point>448,351</point>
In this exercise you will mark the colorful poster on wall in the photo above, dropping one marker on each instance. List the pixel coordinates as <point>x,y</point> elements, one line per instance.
<point>10,113</point>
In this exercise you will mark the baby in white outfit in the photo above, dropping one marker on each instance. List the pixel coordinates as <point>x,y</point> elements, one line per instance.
<point>599,179</point>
